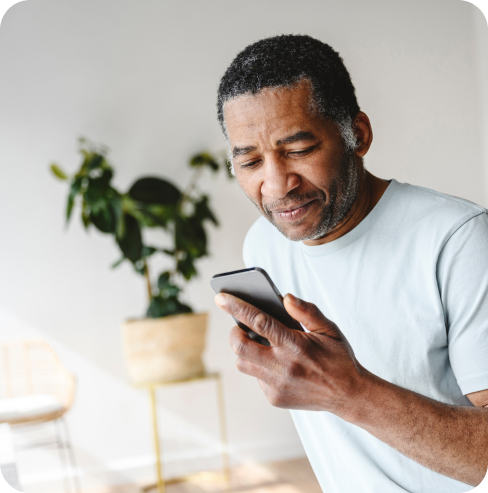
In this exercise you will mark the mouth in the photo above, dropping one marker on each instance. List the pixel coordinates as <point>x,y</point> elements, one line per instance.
<point>293,213</point>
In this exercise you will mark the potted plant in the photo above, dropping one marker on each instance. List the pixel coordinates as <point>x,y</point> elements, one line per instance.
<point>168,343</point>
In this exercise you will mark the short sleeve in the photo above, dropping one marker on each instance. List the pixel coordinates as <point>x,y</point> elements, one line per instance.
<point>462,273</point>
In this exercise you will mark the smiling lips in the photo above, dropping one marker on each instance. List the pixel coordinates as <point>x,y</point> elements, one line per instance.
<point>294,213</point>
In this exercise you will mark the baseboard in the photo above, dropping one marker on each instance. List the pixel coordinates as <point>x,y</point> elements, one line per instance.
<point>139,470</point>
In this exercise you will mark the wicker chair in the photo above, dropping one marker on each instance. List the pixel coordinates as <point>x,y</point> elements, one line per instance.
<point>36,388</point>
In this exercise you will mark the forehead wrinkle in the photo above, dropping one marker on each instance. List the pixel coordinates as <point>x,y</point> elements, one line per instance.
<point>264,117</point>
<point>265,102</point>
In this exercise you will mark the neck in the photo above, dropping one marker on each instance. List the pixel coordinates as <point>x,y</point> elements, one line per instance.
<point>371,190</point>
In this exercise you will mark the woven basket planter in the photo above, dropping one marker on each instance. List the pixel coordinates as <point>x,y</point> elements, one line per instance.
<point>164,349</point>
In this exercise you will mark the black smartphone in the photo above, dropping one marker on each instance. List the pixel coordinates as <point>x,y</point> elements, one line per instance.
<point>255,287</point>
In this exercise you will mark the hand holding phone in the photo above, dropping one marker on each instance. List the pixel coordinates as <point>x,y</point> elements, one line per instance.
<point>255,287</point>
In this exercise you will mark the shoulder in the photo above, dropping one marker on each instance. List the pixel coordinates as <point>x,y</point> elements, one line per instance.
<point>428,209</point>
<point>430,200</point>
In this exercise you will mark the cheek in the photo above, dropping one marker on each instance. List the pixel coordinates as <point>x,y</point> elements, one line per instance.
<point>250,185</point>
<point>314,175</point>
<point>321,170</point>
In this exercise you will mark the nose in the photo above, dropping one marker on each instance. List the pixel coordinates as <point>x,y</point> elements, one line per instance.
<point>279,179</point>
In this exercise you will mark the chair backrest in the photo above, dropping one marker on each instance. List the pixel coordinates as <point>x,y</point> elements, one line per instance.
<point>33,367</point>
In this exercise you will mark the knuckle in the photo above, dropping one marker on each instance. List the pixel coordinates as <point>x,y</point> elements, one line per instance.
<point>240,310</point>
<point>239,347</point>
<point>237,342</point>
<point>293,369</point>
<point>261,321</point>
<point>312,308</point>
<point>241,364</point>
<point>275,398</point>
<point>288,337</point>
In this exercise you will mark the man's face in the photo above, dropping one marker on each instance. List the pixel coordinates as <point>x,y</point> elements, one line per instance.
<point>291,164</point>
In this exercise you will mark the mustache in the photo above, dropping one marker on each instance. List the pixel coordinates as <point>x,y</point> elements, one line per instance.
<point>293,198</point>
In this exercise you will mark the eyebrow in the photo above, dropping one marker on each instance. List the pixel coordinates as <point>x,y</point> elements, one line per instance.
<point>240,151</point>
<point>301,136</point>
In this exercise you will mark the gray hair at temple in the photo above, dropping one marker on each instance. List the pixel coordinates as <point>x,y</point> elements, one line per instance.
<point>285,61</point>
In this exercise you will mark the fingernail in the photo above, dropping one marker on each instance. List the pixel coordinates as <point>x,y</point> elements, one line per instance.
<point>221,299</point>
<point>294,300</point>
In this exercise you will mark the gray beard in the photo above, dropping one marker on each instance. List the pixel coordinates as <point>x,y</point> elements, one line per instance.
<point>342,195</point>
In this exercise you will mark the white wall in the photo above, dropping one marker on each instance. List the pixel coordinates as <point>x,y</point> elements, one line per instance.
<point>141,77</point>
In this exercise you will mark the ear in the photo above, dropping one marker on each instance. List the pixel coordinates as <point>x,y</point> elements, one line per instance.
<point>364,133</point>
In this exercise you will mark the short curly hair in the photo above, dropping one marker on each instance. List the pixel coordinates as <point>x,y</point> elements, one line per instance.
<point>285,60</point>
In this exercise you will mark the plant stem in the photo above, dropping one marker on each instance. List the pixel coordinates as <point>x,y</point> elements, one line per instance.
<point>148,281</point>
<point>193,181</point>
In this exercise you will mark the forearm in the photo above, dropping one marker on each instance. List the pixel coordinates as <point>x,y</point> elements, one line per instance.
<point>317,371</point>
<point>451,440</point>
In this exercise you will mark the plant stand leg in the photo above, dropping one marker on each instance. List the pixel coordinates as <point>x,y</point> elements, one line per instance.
<point>223,430</point>
<point>157,448</point>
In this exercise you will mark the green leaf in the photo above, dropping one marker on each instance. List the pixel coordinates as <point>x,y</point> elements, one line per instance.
<point>153,215</point>
<point>204,159</point>
<point>186,268</point>
<point>116,264</point>
<point>156,308</point>
<point>140,267</point>
<point>98,192</point>
<point>74,189</point>
<point>164,280</point>
<point>93,160</point>
<point>131,242</point>
<point>190,237</point>
<point>171,291</point>
<point>58,172</point>
<point>183,308</point>
<point>85,215</point>
<point>202,211</point>
<point>104,179</point>
<point>116,206</point>
<point>147,251</point>
<point>161,307</point>
<point>154,191</point>
<point>103,219</point>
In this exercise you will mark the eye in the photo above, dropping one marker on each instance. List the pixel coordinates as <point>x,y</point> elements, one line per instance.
<point>251,164</point>
<point>303,152</point>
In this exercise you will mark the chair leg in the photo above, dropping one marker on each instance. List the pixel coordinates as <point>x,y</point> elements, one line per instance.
<point>63,456</point>
<point>67,457</point>
<point>8,466</point>
<point>71,455</point>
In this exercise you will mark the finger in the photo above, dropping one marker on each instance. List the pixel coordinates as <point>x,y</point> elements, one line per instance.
<point>248,349</point>
<point>310,316</point>
<point>258,321</point>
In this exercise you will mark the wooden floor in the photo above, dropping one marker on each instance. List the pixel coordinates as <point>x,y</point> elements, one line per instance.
<point>295,476</point>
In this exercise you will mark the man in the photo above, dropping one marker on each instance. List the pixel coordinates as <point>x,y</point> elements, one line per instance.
<point>389,385</point>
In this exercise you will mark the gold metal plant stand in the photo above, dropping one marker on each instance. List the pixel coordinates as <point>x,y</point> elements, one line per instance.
<point>161,481</point>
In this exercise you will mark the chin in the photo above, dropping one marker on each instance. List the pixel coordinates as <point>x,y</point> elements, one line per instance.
<point>299,232</point>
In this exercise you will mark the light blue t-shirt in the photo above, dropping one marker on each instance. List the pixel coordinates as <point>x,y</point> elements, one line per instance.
<point>408,287</point>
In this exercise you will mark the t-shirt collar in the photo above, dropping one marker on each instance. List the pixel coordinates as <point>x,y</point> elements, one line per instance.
<point>359,230</point>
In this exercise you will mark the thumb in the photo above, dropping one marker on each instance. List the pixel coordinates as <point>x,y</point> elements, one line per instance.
<point>310,316</point>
